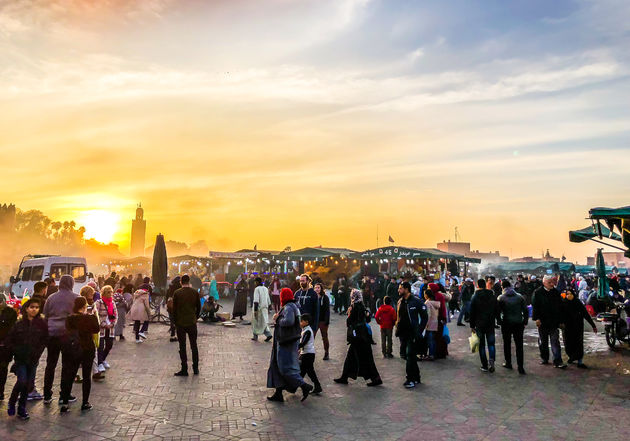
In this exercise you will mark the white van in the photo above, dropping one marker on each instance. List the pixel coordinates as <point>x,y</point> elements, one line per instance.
<point>37,268</point>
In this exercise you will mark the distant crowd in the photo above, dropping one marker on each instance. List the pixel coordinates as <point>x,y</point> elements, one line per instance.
<point>80,328</point>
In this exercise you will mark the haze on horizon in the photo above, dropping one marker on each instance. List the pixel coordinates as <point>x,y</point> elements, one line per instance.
<point>308,122</point>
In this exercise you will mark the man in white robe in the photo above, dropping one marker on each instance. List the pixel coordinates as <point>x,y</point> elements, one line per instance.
<point>260,320</point>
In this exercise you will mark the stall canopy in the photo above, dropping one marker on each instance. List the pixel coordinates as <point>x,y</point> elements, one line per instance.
<point>315,253</point>
<point>614,218</point>
<point>237,255</point>
<point>591,232</point>
<point>531,267</point>
<point>394,252</point>
<point>584,269</point>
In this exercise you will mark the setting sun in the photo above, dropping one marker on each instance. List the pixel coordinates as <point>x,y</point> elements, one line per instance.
<point>99,224</point>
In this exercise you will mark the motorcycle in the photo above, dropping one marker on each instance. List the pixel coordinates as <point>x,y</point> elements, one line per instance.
<point>616,323</point>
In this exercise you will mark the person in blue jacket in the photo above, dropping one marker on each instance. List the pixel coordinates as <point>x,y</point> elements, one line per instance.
<point>307,300</point>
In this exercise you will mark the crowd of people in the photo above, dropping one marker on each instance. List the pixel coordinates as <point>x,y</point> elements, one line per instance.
<point>80,328</point>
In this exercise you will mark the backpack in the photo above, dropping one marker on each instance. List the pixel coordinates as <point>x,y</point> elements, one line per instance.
<point>73,344</point>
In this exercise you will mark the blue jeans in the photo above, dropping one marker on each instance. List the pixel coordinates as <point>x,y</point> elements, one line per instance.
<point>545,336</point>
<point>464,311</point>
<point>486,336</point>
<point>431,342</point>
<point>25,374</point>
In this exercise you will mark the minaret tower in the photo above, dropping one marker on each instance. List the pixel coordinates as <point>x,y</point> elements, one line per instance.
<point>138,230</point>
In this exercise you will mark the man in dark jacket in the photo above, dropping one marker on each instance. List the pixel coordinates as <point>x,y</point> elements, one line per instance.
<point>111,280</point>
<point>547,313</point>
<point>335,294</point>
<point>324,317</point>
<point>8,317</point>
<point>306,299</point>
<point>56,310</point>
<point>468,289</point>
<point>186,310</point>
<point>411,321</point>
<point>483,312</point>
<point>495,285</point>
<point>391,290</point>
<point>512,317</point>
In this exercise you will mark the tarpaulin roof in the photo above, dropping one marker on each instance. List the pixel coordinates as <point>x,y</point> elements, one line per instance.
<point>618,218</point>
<point>590,232</point>
<point>316,253</point>
<point>394,252</point>
<point>584,269</point>
<point>534,266</point>
<point>604,213</point>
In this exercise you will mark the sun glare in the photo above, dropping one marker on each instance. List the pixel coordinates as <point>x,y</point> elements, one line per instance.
<point>99,224</point>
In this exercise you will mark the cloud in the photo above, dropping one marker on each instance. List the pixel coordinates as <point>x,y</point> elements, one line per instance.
<point>209,110</point>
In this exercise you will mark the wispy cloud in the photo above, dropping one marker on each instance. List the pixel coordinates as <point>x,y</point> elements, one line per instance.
<point>214,108</point>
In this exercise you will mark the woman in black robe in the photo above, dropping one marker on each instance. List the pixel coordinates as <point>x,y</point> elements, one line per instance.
<point>573,333</point>
<point>359,359</point>
<point>240,302</point>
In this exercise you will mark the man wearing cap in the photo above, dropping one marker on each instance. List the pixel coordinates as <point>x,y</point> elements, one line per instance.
<point>468,289</point>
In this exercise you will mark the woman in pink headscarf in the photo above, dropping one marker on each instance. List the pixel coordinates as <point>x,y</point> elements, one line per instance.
<point>441,348</point>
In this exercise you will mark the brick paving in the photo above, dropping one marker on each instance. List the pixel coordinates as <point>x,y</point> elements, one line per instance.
<point>141,400</point>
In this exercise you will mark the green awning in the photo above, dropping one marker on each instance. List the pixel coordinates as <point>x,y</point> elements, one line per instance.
<point>618,218</point>
<point>394,252</point>
<point>584,269</point>
<point>591,232</point>
<point>605,213</point>
<point>315,253</point>
<point>536,266</point>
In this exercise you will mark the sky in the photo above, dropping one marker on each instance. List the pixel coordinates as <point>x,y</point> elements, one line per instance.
<point>311,122</point>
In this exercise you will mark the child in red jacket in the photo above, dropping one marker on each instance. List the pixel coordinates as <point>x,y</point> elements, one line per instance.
<point>386,317</point>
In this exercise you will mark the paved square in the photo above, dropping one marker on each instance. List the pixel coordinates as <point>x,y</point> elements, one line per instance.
<point>141,400</point>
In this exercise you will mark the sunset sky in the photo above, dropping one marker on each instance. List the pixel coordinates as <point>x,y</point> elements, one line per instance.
<point>308,122</point>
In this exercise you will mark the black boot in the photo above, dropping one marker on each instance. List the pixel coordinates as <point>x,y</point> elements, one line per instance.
<point>306,389</point>
<point>277,396</point>
<point>183,372</point>
<point>22,413</point>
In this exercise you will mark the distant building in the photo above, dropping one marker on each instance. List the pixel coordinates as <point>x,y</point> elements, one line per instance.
<point>7,218</point>
<point>463,248</point>
<point>615,258</point>
<point>546,257</point>
<point>489,257</point>
<point>138,232</point>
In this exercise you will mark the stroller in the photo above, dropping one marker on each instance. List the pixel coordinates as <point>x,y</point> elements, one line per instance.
<point>209,309</point>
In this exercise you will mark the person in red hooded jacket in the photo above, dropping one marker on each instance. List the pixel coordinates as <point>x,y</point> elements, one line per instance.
<point>386,318</point>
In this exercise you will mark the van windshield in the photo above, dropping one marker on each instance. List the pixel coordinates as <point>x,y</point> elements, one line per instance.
<point>25,273</point>
<point>38,273</point>
<point>78,273</point>
<point>57,270</point>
